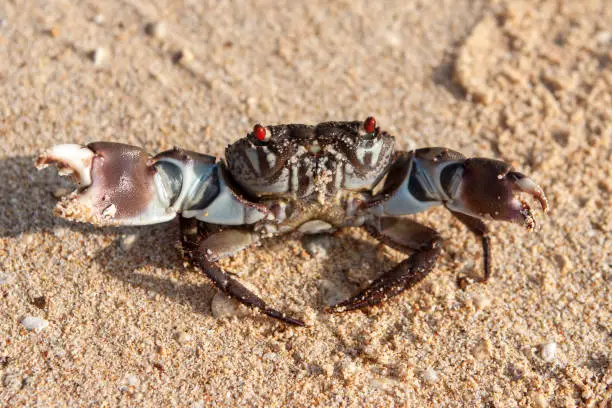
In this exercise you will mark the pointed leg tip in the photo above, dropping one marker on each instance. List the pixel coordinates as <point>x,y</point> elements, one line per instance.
<point>296,322</point>
<point>284,318</point>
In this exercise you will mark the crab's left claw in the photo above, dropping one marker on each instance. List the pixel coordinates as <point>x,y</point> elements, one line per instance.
<point>489,188</point>
<point>117,184</point>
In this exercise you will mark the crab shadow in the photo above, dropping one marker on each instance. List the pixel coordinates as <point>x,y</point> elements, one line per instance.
<point>26,207</point>
<point>151,265</point>
<point>27,199</point>
<point>186,284</point>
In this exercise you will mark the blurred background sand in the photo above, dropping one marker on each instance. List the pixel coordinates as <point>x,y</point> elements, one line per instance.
<point>130,325</point>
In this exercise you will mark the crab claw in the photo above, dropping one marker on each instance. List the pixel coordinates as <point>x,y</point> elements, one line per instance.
<point>116,182</point>
<point>488,189</point>
<point>71,160</point>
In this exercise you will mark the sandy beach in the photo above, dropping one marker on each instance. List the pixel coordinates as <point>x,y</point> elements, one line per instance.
<point>114,317</point>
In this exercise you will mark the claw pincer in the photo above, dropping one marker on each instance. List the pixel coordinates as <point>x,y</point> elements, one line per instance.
<point>477,187</point>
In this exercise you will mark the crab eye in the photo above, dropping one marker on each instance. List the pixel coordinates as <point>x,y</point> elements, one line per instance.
<point>369,125</point>
<point>261,133</point>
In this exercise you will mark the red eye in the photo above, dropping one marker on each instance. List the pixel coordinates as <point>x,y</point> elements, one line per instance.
<point>260,133</point>
<point>370,124</point>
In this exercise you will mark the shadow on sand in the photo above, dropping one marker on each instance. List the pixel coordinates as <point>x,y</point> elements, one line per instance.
<point>26,207</point>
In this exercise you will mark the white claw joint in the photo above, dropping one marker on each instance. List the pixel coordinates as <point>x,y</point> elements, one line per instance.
<point>71,160</point>
<point>116,184</point>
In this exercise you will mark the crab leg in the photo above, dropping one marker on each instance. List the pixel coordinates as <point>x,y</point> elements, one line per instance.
<point>480,229</point>
<point>207,248</point>
<point>406,236</point>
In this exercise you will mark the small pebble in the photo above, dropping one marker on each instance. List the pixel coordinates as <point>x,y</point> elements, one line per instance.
<point>430,375</point>
<point>182,337</point>
<point>60,232</point>
<point>549,352</point>
<point>481,302</point>
<point>157,30</point>
<point>98,56</point>
<point>251,102</point>
<point>393,39</point>
<point>131,380</point>
<point>98,19</point>
<point>604,37</point>
<point>183,56</point>
<point>540,401</point>
<point>127,241</point>
<point>317,246</point>
<point>60,192</point>
<point>271,356</point>
<point>223,306</point>
<point>34,323</point>
<point>54,32</point>
<point>5,278</point>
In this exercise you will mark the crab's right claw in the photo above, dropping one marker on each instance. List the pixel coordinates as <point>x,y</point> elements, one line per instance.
<point>116,184</point>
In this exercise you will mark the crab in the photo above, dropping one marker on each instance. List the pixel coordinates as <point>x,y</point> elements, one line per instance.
<point>300,179</point>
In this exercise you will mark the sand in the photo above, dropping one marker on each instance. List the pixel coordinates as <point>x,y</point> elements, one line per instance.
<point>114,317</point>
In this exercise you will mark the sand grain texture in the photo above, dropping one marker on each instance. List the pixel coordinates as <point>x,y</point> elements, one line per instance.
<point>130,325</point>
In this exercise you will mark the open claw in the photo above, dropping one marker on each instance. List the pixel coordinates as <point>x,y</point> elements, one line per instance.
<point>116,184</point>
<point>71,160</point>
<point>524,184</point>
<point>488,190</point>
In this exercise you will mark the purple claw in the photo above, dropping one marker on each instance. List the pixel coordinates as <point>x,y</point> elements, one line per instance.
<point>488,190</point>
<point>116,184</point>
